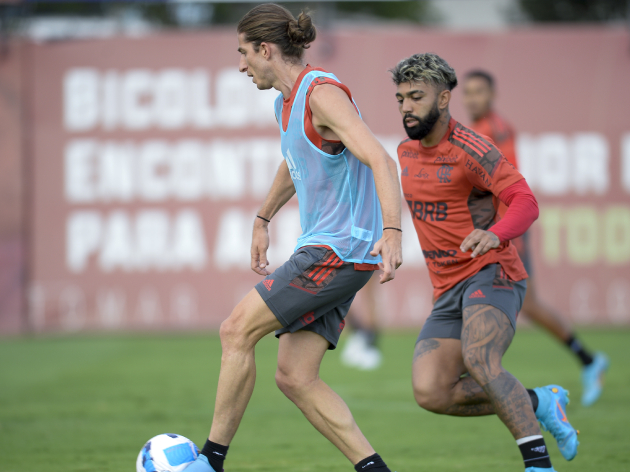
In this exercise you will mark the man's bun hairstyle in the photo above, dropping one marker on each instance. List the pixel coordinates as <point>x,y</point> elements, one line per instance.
<point>301,32</point>
<point>271,23</point>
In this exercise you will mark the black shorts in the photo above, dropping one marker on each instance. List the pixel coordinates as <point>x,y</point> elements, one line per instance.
<point>313,291</point>
<point>489,286</point>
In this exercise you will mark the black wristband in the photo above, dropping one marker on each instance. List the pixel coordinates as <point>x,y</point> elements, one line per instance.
<point>391,227</point>
<point>264,219</point>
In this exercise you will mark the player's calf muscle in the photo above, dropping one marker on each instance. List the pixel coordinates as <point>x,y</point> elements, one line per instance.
<point>512,404</point>
<point>486,335</point>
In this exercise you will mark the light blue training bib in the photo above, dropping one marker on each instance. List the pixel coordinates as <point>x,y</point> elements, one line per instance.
<point>337,196</point>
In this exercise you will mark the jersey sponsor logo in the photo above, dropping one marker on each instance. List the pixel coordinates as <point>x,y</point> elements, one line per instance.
<point>410,154</point>
<point>295,174</point>
<point>479,170</point>
<point>439,254</point>
<point>442,264</point>
<point>405,172</point>
<point>444,173</point>
<point>428,211</point>
<point>268,283</point>
<point>445,159</point>
<point>477,294</point>
<point>422,174</point>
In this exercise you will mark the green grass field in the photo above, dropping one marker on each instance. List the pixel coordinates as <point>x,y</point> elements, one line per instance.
<point>90,403</point>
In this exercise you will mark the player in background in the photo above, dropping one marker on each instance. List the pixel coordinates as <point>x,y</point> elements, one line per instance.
<point>361,348</point>
<point>340,172</point>
<point>479,93</point>
<point>452,180</point>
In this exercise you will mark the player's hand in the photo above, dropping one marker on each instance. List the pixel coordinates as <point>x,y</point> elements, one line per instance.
<point>260,244</point>
<point>480,242</point>
<point>390,249</point>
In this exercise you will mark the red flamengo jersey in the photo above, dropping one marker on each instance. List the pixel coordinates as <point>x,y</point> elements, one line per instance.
<point>452,189</point>
<point>499,131</point>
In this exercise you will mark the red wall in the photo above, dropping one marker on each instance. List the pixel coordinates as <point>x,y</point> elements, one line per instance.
<point>151,156</point>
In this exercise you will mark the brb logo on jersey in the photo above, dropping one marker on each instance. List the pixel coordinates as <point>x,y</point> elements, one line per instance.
<point>295,174</point>
<point>444,173</point>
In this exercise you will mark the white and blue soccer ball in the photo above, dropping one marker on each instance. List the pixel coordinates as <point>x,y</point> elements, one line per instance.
<point>166,453</point>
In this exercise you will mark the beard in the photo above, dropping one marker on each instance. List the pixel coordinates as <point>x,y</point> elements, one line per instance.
<point>424,126</point>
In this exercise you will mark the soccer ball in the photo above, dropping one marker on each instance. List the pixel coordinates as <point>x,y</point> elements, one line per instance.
<point>166,453</point>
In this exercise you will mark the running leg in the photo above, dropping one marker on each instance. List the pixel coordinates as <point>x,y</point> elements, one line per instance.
<point>299,357</point>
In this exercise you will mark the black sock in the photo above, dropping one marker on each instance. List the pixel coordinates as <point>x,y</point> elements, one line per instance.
<point>374,463</point>
<point>370,336</point>
<point>216,454</point>
<point>578,350</point>
<point>534,398</point>
<point>535,453</point>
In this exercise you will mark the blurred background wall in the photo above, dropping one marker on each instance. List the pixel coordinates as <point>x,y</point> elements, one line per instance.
<point>133,154</point>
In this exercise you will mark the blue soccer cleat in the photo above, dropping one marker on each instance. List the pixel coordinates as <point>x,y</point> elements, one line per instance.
<point>201,464</point>
<point>540,469</point>
<point>592,379</point>
<point>552,403</point>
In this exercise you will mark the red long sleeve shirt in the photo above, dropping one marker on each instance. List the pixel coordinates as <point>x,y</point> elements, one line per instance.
<point>522,211</point>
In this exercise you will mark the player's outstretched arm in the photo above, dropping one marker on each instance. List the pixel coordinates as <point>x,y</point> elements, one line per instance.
<point>281,192</point>
<point>333,109</point>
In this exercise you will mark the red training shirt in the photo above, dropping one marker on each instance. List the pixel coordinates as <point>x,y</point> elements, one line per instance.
<point>451,189</point>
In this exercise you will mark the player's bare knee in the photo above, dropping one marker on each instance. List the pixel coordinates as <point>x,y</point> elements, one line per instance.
<point>430,396</point>
<point>284,383</point>
<point>233,332</point>
<point>228,334</point>
<point>293,385</point>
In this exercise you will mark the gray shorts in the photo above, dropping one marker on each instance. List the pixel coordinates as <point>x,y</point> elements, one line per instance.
<point>313,291</point>
<point>489,286</point>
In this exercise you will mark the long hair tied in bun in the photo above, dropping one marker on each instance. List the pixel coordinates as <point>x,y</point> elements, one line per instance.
<point>271,23</point>
<point>302,31</point>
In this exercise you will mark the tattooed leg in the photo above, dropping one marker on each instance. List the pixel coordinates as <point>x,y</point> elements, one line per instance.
<point>438,383</point>
<point>486,335</point>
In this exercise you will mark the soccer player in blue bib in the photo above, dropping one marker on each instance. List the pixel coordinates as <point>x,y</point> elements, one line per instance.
<point>349,198</point>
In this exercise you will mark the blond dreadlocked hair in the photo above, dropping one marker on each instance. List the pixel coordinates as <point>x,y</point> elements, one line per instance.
<point>427,67</point>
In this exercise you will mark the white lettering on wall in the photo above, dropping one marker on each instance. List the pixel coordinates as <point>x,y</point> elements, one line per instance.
<point>158,170</point>
<point>148,240</point>
<point>80,99</point>
<point>556,164</point>
<point>169,99</point>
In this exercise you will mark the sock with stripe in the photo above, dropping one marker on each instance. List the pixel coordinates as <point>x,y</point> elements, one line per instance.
<point>216,454</point>
<point>534,452</point>
<point>374,463</point>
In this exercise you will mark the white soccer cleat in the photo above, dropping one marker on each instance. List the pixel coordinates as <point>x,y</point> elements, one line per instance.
<point>358,354</point>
